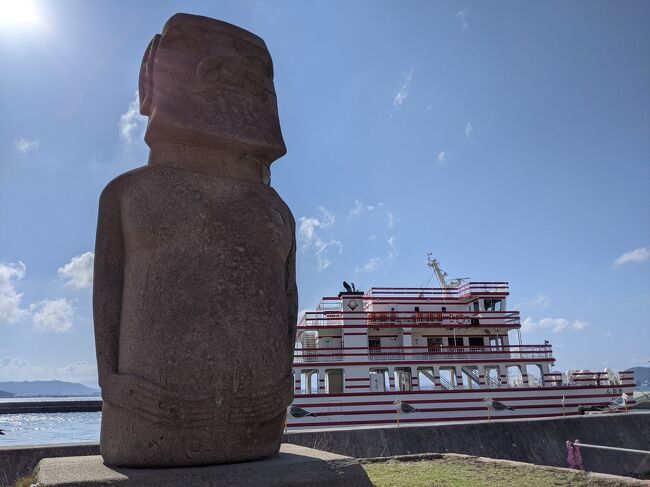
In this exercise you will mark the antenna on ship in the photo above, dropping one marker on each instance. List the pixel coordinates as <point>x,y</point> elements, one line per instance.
<point>442,275</point>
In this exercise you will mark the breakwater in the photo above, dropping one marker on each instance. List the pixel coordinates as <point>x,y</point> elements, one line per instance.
<point>22,407</point>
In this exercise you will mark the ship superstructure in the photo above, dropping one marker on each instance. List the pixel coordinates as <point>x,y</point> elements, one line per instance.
<point>428,354</point>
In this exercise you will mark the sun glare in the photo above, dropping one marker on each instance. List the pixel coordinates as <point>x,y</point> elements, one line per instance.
<point>16,13</point>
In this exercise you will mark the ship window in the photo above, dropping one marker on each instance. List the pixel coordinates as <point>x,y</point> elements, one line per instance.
<point>443,309</point>
<point>374,345</point>
<point>379,380</point>
<point>475,304</point>
<point>455,342</point>
<point>334,381</point>
<point>434,344</point>
<point>492,304</point>
<point>425,378</point>
<point>417,309</point>
<point>476,341</point>
<point>309,381</point>
<point>403,379</point>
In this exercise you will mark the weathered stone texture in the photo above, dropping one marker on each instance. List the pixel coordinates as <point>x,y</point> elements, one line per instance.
<point>194,288</point>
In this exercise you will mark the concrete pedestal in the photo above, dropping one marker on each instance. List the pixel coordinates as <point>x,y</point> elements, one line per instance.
<point>294,466</point>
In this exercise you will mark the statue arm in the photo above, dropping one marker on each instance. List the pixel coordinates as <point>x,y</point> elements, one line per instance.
<point>292,292</point>
<point>107,286</point>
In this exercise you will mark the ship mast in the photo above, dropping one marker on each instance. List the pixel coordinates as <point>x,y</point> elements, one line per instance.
<point>442,275</point>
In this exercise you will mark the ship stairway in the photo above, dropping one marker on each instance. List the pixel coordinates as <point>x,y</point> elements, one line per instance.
<point>309,342</point>
<point>309,339</point>
<point>472,374</point>
<point>492,382</point>
<point>446,383</point>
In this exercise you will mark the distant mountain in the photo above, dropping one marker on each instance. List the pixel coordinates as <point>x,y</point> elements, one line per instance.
<point>5,394</point>
<point>641,377</point>
<point>47,388</point>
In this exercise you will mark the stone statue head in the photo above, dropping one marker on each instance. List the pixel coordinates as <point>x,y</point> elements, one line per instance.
<point>204,82</point>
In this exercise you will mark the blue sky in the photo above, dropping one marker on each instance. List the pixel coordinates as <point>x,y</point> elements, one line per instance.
<point>511,140</point>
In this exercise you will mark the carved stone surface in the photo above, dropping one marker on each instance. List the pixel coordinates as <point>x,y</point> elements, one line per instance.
<point>194,288</point>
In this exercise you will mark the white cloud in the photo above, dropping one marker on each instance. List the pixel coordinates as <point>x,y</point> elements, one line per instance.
<point>375,263</point>
<point>461,15</point>
<point>540,301</point>
<point>554,324</point>
<point>10,310</point>
<point>579,325</point>
<point>528,325</point>
<point>372,265</point>
<point>24,146</point>
<point>468,130</point>
<point>392,248</point>
<point>402,92</point>
<point>132,124</point>
<point>53,315</point>
<point>442,156</point>
<point>633,256</point>
<point>17,369</point>
<point>390,219</point>
<point>360,208</point>
<point>78,273</point>
<point>310,237</point>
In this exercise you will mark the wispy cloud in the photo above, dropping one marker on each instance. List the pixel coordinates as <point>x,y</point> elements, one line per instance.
<point>53,315</point>
<point>555,325</point>
<point>468,130</point>
<point>403,89</point>
<point>360,208</point>
<point>10,300</point>
<point>540,301</point>
<point>461,15</point>
<point>78,273</point>
<point>376,263</point>
<point>442,156</point>
<point>24,146</point>
<point>633,257</point>
<point>311,238</point>
<point>132,124</point>
<point>390,219</point>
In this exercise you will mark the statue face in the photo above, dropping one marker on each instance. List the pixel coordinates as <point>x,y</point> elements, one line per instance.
<point>211,83</point>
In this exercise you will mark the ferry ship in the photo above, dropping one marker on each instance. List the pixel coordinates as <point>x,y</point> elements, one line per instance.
<point>422,355</point>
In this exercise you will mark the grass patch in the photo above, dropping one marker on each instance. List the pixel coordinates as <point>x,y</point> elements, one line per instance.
<point>449,472</point>
<point>25,481</point>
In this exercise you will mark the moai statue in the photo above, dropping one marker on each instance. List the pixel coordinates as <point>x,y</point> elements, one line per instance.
<point>195,297</point>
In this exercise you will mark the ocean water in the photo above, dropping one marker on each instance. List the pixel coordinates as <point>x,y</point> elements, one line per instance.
<point>49,428</point>
<point>42,429</point>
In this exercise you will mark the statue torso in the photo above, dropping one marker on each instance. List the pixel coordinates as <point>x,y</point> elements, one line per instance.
<point>204,298</point>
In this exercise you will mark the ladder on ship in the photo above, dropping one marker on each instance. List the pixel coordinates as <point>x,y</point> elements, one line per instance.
<point>309,343</point>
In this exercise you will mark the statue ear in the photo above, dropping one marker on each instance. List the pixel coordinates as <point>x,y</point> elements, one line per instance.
<point>145,82</point>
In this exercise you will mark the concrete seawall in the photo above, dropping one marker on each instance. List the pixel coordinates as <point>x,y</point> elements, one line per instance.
<point>538,441</point>
<point>20,461</point>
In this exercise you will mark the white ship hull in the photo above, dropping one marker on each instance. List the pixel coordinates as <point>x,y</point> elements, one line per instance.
<point>363,409</point>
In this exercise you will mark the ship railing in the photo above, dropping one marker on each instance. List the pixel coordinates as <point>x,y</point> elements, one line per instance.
<point>446,318</point>
<point>400,319</point>
<point>426,353</point>
<point>433,292</point>
<point>592,378</point>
